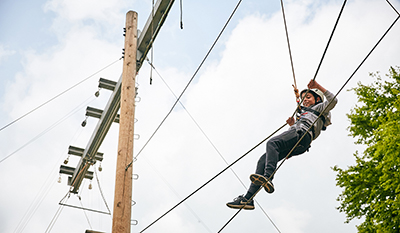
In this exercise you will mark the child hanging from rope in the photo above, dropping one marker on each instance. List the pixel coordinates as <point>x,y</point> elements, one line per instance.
<point>279,146</point>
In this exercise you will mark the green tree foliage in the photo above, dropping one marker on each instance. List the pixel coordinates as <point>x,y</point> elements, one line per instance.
<point>372,186</point>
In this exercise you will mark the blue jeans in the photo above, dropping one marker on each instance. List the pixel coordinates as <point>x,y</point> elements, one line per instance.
<point>277,149</point>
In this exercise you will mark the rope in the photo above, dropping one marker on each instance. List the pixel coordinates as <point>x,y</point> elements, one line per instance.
<point>55,97</point>
<point>58,212</point>
<point>323,55</point>
<point>87,218</point>
<point>390,4</point>
<point>226,168</point>
<point>47,129</point>
<point>83,208</point>
<point>199,220</point>
<point>236,160</point>
<point>237,212</point>
<point>40,196</point>
<point>351,76</point>
<point>330,38</point>
<point>270,136</point>
<point>101,191</point>
<point>212,144</point>
<point>181,14</point>
<point>286,157</point>
<point>296,91</point>
<point>152,33</point>
<point>376,45</point>
<point>187,85</point>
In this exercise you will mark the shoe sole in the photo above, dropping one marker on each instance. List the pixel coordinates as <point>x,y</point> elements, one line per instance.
<point>262,181</point>
<point>246,207</point>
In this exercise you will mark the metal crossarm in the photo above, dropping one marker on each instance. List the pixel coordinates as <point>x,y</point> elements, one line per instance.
<point>110,113</point>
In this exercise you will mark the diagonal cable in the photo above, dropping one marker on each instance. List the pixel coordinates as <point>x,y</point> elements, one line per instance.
<point>57,214</point>
<point>272,134</point>
<point>212,144</point>
<point>390,4</point>
<point>101,191</point>
<point>218,174</point>
<point>46,130</point>
<point>188,84</point>
<point>351,76</point>
<point>288,43</point>
<point>330,38</point>
<point>199,220</point>
<point>324,53</point>
<point>55,97</point>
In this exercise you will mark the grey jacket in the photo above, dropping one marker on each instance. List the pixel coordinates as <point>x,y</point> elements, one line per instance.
<point>308,118</point>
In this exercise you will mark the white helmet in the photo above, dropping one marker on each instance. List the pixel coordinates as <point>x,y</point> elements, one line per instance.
<point>315,92</point>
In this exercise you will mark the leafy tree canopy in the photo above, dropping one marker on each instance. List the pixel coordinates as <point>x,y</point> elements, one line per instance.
<point>371,188</point>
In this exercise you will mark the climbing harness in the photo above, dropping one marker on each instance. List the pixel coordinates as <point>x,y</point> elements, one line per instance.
<point>348,80</point>
<point>304,110</point>
<point>319,116</point>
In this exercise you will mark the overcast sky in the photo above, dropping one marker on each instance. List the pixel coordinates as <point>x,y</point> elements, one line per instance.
<point>241,95</point>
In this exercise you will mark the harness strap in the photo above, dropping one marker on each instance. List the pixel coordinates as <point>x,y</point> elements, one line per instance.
<point>322,117</point>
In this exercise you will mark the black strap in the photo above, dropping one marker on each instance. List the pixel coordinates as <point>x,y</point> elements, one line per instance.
<point>322,117</point>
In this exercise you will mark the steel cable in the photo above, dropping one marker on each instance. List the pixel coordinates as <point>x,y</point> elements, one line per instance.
<point>202,186</point>
<point>351,76</point>
<point>213,145</point>
<point>55,97</point>
<point>188,84</point>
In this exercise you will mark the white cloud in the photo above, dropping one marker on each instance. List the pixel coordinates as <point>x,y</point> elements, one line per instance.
<point>5,53</point>
<point>291,219</point>
<point>76,11</point>
<point>237,100</point>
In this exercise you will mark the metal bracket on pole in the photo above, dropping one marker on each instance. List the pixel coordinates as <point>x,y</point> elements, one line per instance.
<point>96,113</point>
<point>144,43</point>
<point>151,29</point>
<point>107,84</point>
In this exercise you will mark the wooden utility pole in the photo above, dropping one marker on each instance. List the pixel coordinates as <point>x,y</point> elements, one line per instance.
<point>123,179</point>
<point>90,154</point>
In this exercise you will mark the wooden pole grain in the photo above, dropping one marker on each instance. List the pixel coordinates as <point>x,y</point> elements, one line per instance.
<point>123,178</point>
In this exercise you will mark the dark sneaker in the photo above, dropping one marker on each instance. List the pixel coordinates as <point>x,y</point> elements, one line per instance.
<point>261,180</point>
<point>241,202</point>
